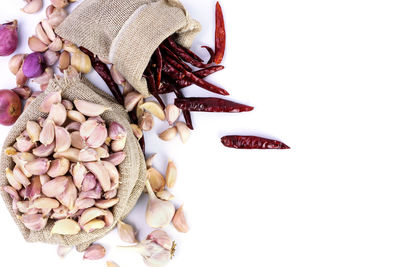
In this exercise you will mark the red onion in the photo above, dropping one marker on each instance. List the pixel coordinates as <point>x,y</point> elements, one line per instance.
<point>8,38</point>
<point>33,65</point>
<point>10,107</point>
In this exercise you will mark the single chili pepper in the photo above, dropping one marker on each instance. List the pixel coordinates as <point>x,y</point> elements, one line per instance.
<point>185,56</point>
<point>168,51</point>
<point>186,113</point>
<point>201,74</point>
<point>148,74</point>
<point>251,142</point>
<point>196,80</point>
<point>104,72</point>
<point>220,35</point>
<point>212,54</point>
<point>210,104</point>
<point>159,64</point>
<point>177,47</point>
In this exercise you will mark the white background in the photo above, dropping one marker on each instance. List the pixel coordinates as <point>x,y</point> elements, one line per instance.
<point>323,77</point>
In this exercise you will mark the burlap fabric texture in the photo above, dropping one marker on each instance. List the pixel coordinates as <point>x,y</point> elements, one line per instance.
<point>127,32</point>
<point>133,169</point>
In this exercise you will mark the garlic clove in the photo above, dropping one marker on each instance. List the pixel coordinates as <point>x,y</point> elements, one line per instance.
<point>110,194</point>
<point>108,218</point>
<point>146,121</point>
<point>67,104</point>
<point>137,131</point>
<point>15,63</point>
<point>87,128</point>
<point>116,158</point>
<point>23,92</point>
<point>11,179</point>
<point>47,134</point>
<point>64,60</point>
<point>161,238</point>
<point>45,77</point>
<point>40,33</point>
<point>51,57</point>
<point>149,161</point>
<point>88,183</point>
<point>65,227</point>
<point>171,174</point>
<point>49,100</point>
<point>179,221</point>
<point>78,173</point>
<point>94,193</point>
<point>159,213</point>
<point>69,196</point>
<point>84,203</point>
<point>117,76</point>
<point>88,154</point>
<point>43,150</point>
<point>73,126</point>
<point>48,29</point>
<point>55,186</point>
<point>90,214</point>
<point>94,225</point>
<point>156,179</point>
<point>116,131</point>
<point>172,113</point>
<point>118,145</point>
<point>36,45</point>
<point>63,139</point>
<point>106,203</point>
<point>98,136</point>
<point>165,195</point>
<point>44,178</point>
<point>58,167</point>
<point>154,108</point>
<point>126,232</point>
<point>57,16</point>
<point>81,62</point>
<point>49,10</point>
<point>183,130</point>
<point>76,116</point>
<point>113,173</point>
<point>63,250</point>
<point>58,114</point>
<point>101,173</point>
<point>60,213</point>
<point>77,141</point>
<point>38,166</point>
<point>23,144</point>
<point>89,109</point>
<point>59,3</point>
<point>21,79</point>
<point>33,6</point>
<point>127,88</point>
<point>168,134</point>
<point>34,189</point>
<point>131,100</point>
<point>33,128</point>
<point>72,154</point>
<point>94,252</point>
<point>102,152</point>
<point>34,222</point>
<point>45,203</point>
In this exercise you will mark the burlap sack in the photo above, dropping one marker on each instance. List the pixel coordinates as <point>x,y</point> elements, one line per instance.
<point>133,169</point>
<point>127,32</point>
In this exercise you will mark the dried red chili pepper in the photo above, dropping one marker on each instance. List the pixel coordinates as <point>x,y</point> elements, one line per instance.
<point>172,72</point>
<point>220,34</point>
<point>159,64</point>
<point>183,50</point>
<point>186,54</point>
<point>210,104</point>
<point>251,142</point>
<point>168,52</point>
<point>104,72</point>
<point>148,74</point>
<point>196,80</point>
<point>212,54</point>
<point>186,113</point>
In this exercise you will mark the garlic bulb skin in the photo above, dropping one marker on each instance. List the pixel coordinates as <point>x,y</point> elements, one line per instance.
<point>159,213</point>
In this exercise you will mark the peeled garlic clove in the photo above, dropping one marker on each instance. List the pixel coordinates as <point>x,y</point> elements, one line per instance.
<point>51,57</point>
<point>23,92</point>
<point>38,166</point>
<point>23,144</point>
<point>116,158</point>
<point>137,131</point>
<point>55,186</point>
<point>67,104</point>
<point>45,77</point>
<point>77,141</point>
<point>101,173</point>
<point>46,203</point>
<point>36,45</point>
<point>183,130</point>
<point>98,136</point>
<point>156,179</point>
<point>89,109</point>
<point>84,203</point>
<point>179,221</point>
<point>57,16</point>
<point>64,60</point>
<point>131,100</point>
<point>165,195</point>
<point>62,250</point>
<point>11,179</point>
<point>33,6</point>
<point>171,174</point>
<point>43,150</point>
<point>63,139</point>
<point>116,131</point>
<point>58,114</point>
<point>69,196</point>
<point>88,183</point>
<point>117,76</point>
<point>34,222</point>
<point>88,154</point>
<point>15,63</point>
<point>107,203</point>
<point>172,113</point>
<point>47,134</point>
<point>41,34</point>
<point>65,227</point>
<point>49,100</point>
<point>154,108</point>
<point>94,225</point>
<point>94,252</point>
<point>48,29</point>
<point>73,126</point>
<point>168,134</point>
<point>110,194</point>
<point>11,192</point>
<point>126,232</point>
<point>58,167</point>
<point>81,62</point>
<point>78,173</point>
<point>113,173</point>
<point>159,213</point>
<point>44,178</point>
<point>74,115</point>
<point>59,3</point>
<point>90,214</point>
<point>72,154</point>
<point>118,145</point>
<point>33,128</point>
<point>146,121</point>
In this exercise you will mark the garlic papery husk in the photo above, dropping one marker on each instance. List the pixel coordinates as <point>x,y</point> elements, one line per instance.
<point>156,250</point>
<point>159,213</point>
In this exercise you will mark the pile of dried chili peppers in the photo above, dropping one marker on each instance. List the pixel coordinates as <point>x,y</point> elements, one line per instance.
<point>169,72</point>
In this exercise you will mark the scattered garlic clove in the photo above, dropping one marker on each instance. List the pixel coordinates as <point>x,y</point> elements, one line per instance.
<point>179,221</point>
<point>94,225</point>
<point>165,195</point>
<point>73,126</point>
<point>183,130</point>
<point>94,252</point>
<point>43,150</point>
<point>46,203</point>
<point>126,232</point>
<point>106,203</point>
<point>55,186</point>
<point>23,92</point>
<point>78,173</point>
<point>74,115</point>
<point>64,60</point>
<point>45,77</point>
<point>65,227</point>
<point>89,109</point>
<point>117,76</point>
<point>36,45</point>
<point>57,16</point>
<point>159,213</point>
<point>118,145</point>
<point>47,134</point>
<point>41,34</point>
<point>58,114</point>
<point>63,250</point>
<point>67,104</point>
<point>116,131</point>
<point>58,167</point>
<point>90,214</point>
<point>38,166</point>
<point>11,179</point>
<point>156,179</point>
<point>146,121</point>
<point>77,141</point>
<point>88,154</point>
<point>72,154</point>
<point>49,100</point>
<point>171,174</point>
<point>15,63</point>
<point>101,173</point>
<point>137,131</point>
<point>149,161</point>
<point>84,203</point>
<point>131,100</point>
<point>81,62</point>
<point>34,222</point>
<point>161,238</point>
<point>33,6</point>
<point>168,134</point>
<point>63,139</point>
<point>33,128</point>
<point>154,108</point>
<point>48,29</point>
<point>21,80</point>
<point>51,57</point>
<point>59,3</point>
<point>172,113</point>
<point>116,158</point>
